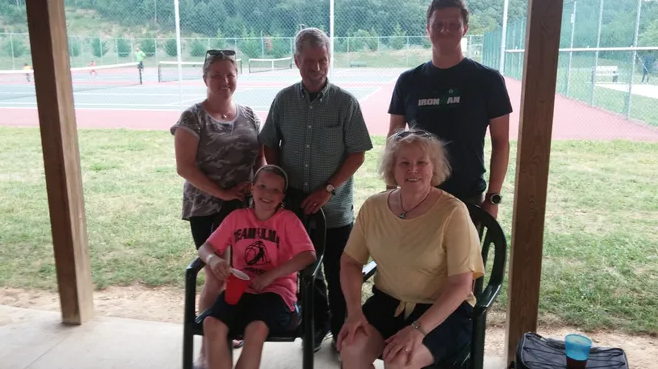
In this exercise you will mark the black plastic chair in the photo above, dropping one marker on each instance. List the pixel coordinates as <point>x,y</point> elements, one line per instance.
<point>471,356</point>
<point>302,325</point>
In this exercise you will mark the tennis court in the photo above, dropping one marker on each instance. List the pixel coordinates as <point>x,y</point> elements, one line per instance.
<point>119,97</point>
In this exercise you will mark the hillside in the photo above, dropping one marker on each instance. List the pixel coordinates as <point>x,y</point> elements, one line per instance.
<point>239,18</point>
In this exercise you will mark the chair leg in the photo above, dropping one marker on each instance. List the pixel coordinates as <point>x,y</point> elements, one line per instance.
<point>188,347</point>
<point>477,345</point>
<point>309,326</point>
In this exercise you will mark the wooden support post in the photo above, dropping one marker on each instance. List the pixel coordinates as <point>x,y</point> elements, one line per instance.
<point>52,77</point>
<point>533,156</point>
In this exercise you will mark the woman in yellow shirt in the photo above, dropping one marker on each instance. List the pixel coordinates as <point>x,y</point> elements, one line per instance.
<point>428,255</point>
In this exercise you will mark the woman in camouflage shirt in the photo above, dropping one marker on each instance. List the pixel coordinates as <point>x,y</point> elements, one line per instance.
<point>217,151</point>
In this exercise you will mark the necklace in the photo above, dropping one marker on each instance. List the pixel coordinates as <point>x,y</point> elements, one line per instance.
<point>403,215</point>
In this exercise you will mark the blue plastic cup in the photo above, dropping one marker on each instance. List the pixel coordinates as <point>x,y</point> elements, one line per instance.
<point>577,349</point>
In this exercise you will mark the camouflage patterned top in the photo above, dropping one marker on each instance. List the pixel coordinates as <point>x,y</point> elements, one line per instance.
<point>226,154</point>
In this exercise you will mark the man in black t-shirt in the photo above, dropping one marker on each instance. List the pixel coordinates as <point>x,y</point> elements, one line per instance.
<point>456,99</point>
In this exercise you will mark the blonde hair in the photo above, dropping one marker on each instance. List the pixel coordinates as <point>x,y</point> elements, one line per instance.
<point>427,142</point>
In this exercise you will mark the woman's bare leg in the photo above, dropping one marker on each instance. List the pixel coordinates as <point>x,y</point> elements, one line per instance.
<point>363,351</point>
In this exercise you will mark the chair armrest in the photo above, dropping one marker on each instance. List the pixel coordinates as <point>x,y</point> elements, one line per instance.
<point>486,299</point>
<point>369,270</point>
<point>312,270</point>
<point>195,266</point>
<point>190,289</point>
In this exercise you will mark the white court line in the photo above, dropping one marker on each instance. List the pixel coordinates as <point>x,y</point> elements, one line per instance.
<point>82,104</point>
<point>201,97</point>
<point>196,98</point>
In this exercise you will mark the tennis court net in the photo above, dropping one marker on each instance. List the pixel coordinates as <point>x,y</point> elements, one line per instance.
<point>17,84</point>
<point>168,70</point>
<point>267,65</point>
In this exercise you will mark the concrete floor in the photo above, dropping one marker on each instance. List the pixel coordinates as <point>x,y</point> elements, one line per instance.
<point>34,339</point>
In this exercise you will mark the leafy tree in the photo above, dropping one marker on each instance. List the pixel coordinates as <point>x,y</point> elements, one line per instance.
<point>399,37</point>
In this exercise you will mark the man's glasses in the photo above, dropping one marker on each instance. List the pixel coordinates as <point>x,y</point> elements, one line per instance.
<point>221,53</point>
<point>419,132</point>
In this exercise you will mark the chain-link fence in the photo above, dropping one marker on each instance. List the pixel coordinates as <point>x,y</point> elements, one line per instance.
<point>389,36</point>
<point>254,32</point>
<point>608,54</point>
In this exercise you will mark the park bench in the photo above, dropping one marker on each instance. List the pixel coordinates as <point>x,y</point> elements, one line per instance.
<point>471,356</point>
<point>357,63</point>
<point>605,71</point>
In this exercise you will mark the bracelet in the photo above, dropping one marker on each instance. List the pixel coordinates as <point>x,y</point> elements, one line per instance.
<point>416,325</point>
<point>208,258</point>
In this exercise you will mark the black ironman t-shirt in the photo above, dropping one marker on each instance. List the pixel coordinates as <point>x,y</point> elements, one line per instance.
<point>456,105</point>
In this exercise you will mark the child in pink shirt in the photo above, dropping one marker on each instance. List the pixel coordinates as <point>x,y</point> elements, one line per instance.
<point>270,245</point>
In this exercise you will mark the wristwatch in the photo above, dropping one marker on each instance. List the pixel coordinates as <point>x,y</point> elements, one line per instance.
<point>416,325</point>
<point>493,198</point>
<point>330,188</point>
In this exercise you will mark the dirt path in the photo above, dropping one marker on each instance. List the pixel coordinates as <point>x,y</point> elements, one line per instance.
<point>166,304</point>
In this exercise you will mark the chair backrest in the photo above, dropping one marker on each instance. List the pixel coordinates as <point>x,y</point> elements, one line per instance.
<point>490,234</point>
<point>316,226</point>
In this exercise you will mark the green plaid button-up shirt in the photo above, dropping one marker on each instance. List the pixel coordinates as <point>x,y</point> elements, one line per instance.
<point>314,138</point>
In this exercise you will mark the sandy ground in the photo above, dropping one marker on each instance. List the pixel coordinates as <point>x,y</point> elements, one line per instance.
<point>166,304</point>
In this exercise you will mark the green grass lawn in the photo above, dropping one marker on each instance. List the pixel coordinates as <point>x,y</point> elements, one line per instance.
<point>601,243</point>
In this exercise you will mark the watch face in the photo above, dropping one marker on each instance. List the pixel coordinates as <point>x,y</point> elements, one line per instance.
<point>495,199</point>
<point>330,188</point>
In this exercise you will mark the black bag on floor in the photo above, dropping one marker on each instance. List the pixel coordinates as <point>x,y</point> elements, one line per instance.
<point>537,352</point>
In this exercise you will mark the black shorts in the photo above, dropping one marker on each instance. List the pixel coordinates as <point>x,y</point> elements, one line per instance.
<point>443,341</point>
<point>267,307</point>
<point>203,226</point>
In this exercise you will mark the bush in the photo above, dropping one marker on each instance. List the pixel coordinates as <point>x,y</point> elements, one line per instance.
<point>99,47</point>
<point>123,47</point>
<point>280,47</point>
<point>220,42</point>
<point>250,45</point>
<point>148,46</point>
<point>74,47</point>
<point>359,40</point>
<point>373,41</point>
<point>198,48</point>
<point>15,47</point>
<point>170,47</point>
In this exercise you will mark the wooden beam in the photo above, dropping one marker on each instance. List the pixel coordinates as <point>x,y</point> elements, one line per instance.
<point>533,156</point>
<point>52,77</point>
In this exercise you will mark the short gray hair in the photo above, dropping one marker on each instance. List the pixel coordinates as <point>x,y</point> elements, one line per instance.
<point>210,59</point>
<point>314,37</point>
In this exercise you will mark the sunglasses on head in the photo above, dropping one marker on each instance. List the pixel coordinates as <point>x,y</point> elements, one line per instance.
<point>222,53</point>
<point>420,133</point>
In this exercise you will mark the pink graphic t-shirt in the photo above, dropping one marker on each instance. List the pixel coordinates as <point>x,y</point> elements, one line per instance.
<point>261,245</point>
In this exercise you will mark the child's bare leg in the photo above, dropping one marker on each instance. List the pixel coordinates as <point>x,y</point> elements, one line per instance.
<point>255,335</point>
<point>215,336</point>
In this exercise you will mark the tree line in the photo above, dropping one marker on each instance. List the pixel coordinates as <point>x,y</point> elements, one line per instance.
<point>256,18</point>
